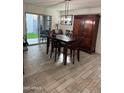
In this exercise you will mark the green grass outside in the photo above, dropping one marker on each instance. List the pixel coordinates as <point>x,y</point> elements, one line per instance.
<point>32,35</point>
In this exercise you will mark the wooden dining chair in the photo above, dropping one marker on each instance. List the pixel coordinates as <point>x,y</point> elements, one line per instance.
<point>75,46</point>
<point>54,47</point>
<point>60,32</point>
<point>50,34</point>
<point>67,32</point>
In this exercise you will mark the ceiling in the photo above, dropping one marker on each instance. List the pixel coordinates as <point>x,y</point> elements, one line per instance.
<point>60,5</point>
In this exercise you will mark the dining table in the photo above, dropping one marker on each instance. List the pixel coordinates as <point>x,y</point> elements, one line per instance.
<point>61,38</point>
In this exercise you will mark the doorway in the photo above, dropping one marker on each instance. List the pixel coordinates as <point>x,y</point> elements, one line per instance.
<point>37,28</point>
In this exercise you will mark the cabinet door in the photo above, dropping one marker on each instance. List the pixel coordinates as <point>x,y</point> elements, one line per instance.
<point>77,27</point>
<point>87,26</point>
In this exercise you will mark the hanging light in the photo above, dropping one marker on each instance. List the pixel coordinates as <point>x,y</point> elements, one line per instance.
<point>66,9</point>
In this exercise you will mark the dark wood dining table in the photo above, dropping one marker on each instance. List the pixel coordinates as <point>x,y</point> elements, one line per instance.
<point>61,38</point>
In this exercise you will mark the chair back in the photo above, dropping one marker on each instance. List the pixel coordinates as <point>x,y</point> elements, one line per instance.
<point>67,32</point>
<point>52,33</point>
<point>60,32</point>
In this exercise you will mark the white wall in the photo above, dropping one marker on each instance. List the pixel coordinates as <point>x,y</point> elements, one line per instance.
<point>98,41</point>
<point>33,9</point>
<point>55,16</point>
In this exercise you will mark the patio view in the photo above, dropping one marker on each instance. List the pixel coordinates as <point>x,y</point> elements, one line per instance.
<point>37,27</point>
<point>32,28</point>
<point>32,35</point>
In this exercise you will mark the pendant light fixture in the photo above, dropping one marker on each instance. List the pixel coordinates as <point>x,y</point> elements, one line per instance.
<point>66,9</point>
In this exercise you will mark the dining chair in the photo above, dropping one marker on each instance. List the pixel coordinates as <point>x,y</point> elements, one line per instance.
<point>55,48</point>
<point>60,44</point>
<point>52,33</point>
<point>60,32</point>
<point>75,46</point>
<point>67,32</point>
<point>54,44</point>
<point>44,34</point>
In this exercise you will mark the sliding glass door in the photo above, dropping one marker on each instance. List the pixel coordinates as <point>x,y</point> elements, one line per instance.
<point>45,27</point>
<point>37,27</point>
<point>32,29</point>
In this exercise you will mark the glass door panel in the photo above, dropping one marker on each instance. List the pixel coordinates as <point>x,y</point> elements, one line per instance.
<point>32,28</point>
<point>37,27</point>
<point>45,27</point>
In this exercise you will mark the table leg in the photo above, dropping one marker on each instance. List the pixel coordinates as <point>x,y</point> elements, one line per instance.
<point>78,55</point>
<point>65,55</point>
<point>48,41</point>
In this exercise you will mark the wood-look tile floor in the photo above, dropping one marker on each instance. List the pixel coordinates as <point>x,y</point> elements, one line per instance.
<point>43,75</point>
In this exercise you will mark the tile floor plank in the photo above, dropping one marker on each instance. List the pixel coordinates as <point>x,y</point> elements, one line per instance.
<point>43,75</point>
